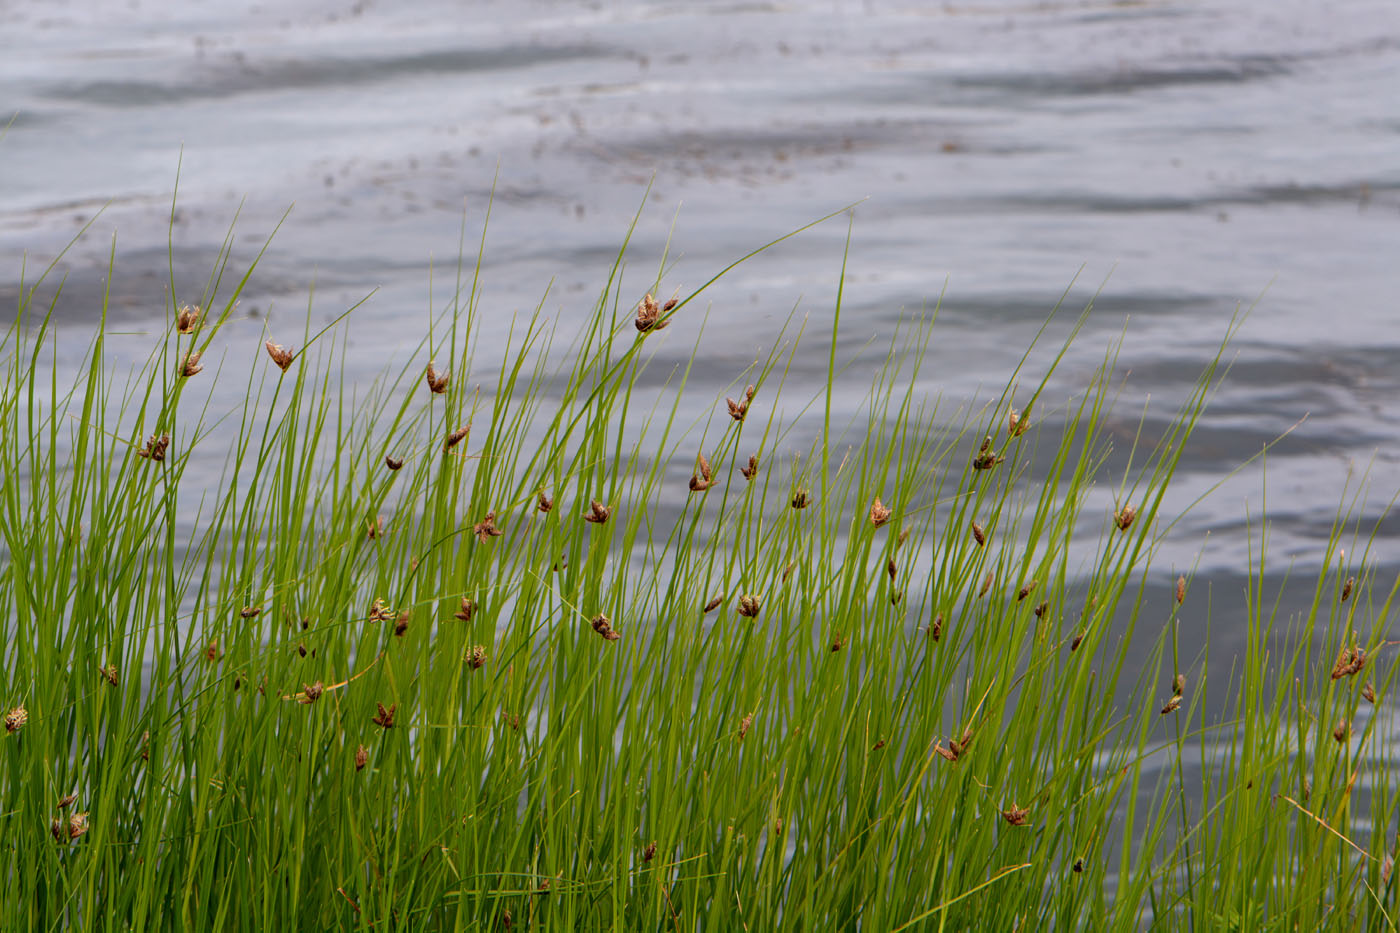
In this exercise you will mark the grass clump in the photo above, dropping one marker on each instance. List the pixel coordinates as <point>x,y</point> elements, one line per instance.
<point>560,650</point>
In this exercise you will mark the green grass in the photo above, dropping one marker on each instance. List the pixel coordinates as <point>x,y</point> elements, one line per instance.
<point>276,711</point>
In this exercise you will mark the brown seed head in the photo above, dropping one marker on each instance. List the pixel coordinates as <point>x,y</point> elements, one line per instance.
<point>979,535</point>
<point>385,717</point>
<point>799,498</point>
<point>838,643</point>
<point>16,718</point>
<point>749,605</point>
<point>66,801</point>
<point>649,313</point>
<point>701,479</point>
<point>77,825</point>
<point>542,502</point>
<point>1017,422</point>
<point>250,612</point>
<point>1124,517</point>
<point>476,657</point>
<point>713,604</point>
<point>374,527</point>
<point>188,319</point>
<point>1349,662</point>
<point>603,626</point>
<point>936,629</point>
<point>109,673</point>
<point>1015,815</point>
<point>486,528</point>
<point>945,753</point>
<point>310,693</point>
<point>597,512</point>
<point>1040,609</point>
<point>1178,685</point>
<point>437,382</point>
<point>155,447</point>
<point>649,852</point>
<point>986,457</point>
<point>282,356</point>
<point>751,470</point>
<point>1369,692</point>
<point>456,437</point>
<point>1172,706</point>
<point>1346,588</point>
<point>379,611</point>
<point>190,366</point>
<point>1076,642</point>
<point>392,463</point>
<point>1025,590</point>
<point>1342,731</point>
<point>744,725</point>
<point>879,513</point>
<point>737,410</point>
<point>401,623</point>
<point>891,568</point>
<point>361,758</point>
<point>986,585</point>
<point>466,611</point>
<point>1180,590</point>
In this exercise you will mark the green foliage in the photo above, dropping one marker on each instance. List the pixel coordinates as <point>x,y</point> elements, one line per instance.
<point>318,692</point>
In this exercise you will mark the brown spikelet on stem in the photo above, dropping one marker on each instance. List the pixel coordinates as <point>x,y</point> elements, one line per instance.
<point>838,642</point>
<point>379,611</point>
<point>282,356</point>
<point>749,604</point>
<point>1025,590</point>
<point>361,758</point>
<point>1178,685</point>
<point>744,725</point>
<point>486,528</point>
<point>211,651</point>
<point>1180,590</point>
<point>603,626</point>
<point>936,629</point>
<point>393,463</point>
<point>437,381</point>
<point>466,611</point>
<point>799,498</point>
<point>1015,815</point>
<point>310,693</point>
<point>374,527</point>
<point>649,314</point>
<point>16,718</point>
<point>891,568</point>
<point>1350,661</point>
<point>476,657</point>
<point>1076,641</point>
<point>1342,732</point>
<point>456,437</point>
<point>401,623</point>
<point>66,801</point>
<point>188,319</point>
<point>986,457</point>
<point>1172,706</point>
<point>155,447</point>
<point>649,852</point>
<point>879,513</point>
<point>1369,693</point>
<point>109,674</point>
<point>543,503</point>
<point>701,479</point>
<point>751,470</point>
<point>190,365</point>
<point>737,410</point>
<point>1017,422</point>
<point>986,585</point>
<point>250,612</point>
<point>597,512</point>
<point>714,604</point>
<point>979,535</point>
<point>1346,588</point>
<point>1041,609</point>
<point>1124,517</point>
<point>384,719</point>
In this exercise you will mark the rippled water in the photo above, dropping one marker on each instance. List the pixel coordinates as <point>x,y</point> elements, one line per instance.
<point>1178,159</point>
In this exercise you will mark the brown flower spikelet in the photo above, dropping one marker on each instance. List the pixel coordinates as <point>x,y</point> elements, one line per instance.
<point>188,319</point>
<point>749,605</point>
<point>437,382</point>
<point>385,717</point>
<point>486,528</point>
<point>190,366</point>
<point>597,512</point>
<point>879,513</point>
<point>751,470</point>
<point>16,718</point>
<point>456,437</point>
<point>282,356</point>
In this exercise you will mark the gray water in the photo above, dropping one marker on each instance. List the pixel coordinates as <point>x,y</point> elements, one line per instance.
<point>1177,159</point>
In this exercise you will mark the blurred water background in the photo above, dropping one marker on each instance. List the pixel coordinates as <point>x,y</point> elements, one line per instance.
<point>1177,158</point>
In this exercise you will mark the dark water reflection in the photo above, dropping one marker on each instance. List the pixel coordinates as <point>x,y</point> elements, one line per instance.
<point>1174,160</point>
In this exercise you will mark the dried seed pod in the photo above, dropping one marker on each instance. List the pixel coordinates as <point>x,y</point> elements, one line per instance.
<point>1178,685</point>
<point>250,612</point>
<point>788,571</point>
<point>1124,517</point>
<point>190,365</point>
<point>1180,590</point>
<point>361,758</point>
<point>946,753</point>
<point>437,382</point>
<point>744,725</point>
<point>903,536</point>
<point>879,744</point>
<point>879,513</point>
<point>1342,732</point>
<point>1078,865</point>
<point>986,585</point>
<point>838,642</point>
<point>751,470</point>
<point>486,528</point>
<point>737,410</point>
<point>379,611</point>
<point>1172,706</point>
<point>1349,662</point>
<point>155,447</point>
<point>1017,422</point>
<point>649,317</point>
<point>66,801</point>
<point>1015,815</point>
<point>979,535</point>
<point>936,629</point>
<point>1369,692</point>
<point>109,673</point>
<point>374,527</point>
<point>476,657</point>
<point>385,717</point>
<point>986,457</point>
<point>597,512</point>
<point>1346,588</point>
<point>310,693</point>
<point>749,604</point>
<point>211,651</point>
<point>456,437</point>
<point>713,604</point>
<point>1076,642</point>
<point>701,479</point>
<point>301,649</point>
<point>1025,590</point>
<point>466,611</point>
<point>16,718</point>
<point>543,503</point>
<point>1040,609</point>
<point>282,356</point>
<point>603,626</point>
<point>401,623</point>
<point>649,852</point>
<point>188,319</point>
<point>799,498</point>
<point>77,825</point>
